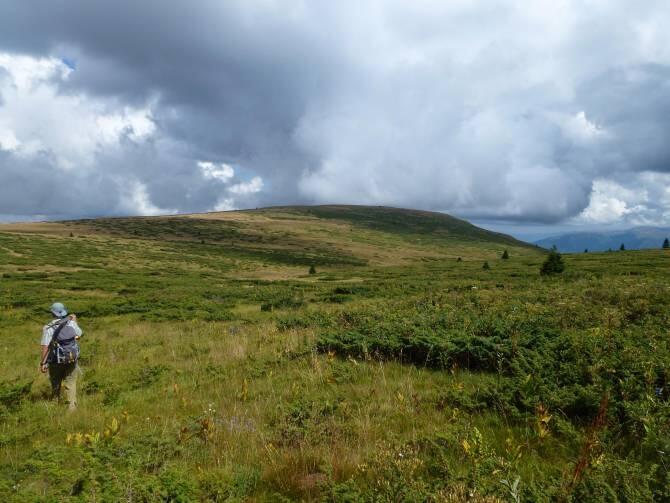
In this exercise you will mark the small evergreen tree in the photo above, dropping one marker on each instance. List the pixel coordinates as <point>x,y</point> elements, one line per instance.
<point>505,255</point>
<point>586,250</point>
<point>622,247</point>
<point>312,269</point>
<point>459,259</point>
<point>666,244</point>
<point>553,264</point>
<point>486,266</point>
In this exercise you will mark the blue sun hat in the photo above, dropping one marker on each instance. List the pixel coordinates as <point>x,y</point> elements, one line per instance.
<point>58,310</point>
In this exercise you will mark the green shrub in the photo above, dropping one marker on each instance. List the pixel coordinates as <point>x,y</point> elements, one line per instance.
<point>148,375</point>
<point>553,264</point>
<point>177,486</point>
<point>281,303</point>
<point>614,480</point>
<point>13,393</point>
<point>315,319</point>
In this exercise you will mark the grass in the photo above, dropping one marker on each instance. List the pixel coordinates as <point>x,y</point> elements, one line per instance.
<point>226,372</point>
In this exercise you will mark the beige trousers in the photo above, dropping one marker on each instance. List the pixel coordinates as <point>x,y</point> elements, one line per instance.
<point>64,376</point>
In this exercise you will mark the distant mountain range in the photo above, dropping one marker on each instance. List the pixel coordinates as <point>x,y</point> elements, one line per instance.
<point>633,239</point>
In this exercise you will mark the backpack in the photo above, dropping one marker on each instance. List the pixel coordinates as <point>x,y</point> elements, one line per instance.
<point>63,347</point>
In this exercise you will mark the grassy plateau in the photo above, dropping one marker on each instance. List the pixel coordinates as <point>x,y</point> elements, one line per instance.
<point>216,367</point>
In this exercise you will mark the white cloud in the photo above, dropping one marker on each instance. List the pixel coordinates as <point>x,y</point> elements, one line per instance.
<point>135,200</point>
<point>38,120</point>
<point>27,72</point>
<point>211,171</point>
<point>8,140</point>
<point>251,187</point>
<point>225,204</point>
<point>581,130</point>
<point>225,173</point>
<point>604,208</point>
<point>643,200</point>
<point>135,124</point>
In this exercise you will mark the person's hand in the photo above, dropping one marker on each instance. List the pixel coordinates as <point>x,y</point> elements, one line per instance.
<point>43,368</point>
<point>73,317</point>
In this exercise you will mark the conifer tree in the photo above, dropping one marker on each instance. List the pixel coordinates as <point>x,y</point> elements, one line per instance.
<point>505,255</point>
<point>553,264</point>
<point>622,247</point>
<point>666,244</point>
<point>312,269</point>
<point>486,266</point>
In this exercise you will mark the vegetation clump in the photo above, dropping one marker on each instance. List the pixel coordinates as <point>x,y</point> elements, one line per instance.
<point>553,264</point>
<point>505,255</point>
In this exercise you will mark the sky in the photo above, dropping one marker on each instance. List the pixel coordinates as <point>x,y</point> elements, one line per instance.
<point>530,117</point>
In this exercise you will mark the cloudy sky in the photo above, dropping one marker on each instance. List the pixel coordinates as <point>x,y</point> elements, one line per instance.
<point>529,116</point>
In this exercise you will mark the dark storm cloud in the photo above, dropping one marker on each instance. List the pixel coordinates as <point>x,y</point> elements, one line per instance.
<point>498,111</point>
<point>35,188</point>
<point>634,103</point>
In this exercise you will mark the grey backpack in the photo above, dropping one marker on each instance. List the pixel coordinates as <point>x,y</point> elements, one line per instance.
<point>63,347</point>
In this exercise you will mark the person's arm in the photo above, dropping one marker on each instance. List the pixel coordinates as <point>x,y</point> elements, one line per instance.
<point>43,365</point>
<point>47,333</point>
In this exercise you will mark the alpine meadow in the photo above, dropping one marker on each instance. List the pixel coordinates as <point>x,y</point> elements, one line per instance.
<point>333,353</point>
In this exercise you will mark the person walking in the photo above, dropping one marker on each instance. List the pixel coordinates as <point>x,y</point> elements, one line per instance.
<point>60,353</point>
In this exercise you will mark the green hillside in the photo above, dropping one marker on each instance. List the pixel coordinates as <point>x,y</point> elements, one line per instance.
<point>309,227</point>
<point>404,222</point>
<point>217,368</point>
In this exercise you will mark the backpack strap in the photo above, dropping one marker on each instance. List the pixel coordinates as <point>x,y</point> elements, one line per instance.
<point>54,338</point>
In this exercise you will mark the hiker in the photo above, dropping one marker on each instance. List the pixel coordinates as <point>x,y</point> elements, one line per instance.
<point>60,353</point>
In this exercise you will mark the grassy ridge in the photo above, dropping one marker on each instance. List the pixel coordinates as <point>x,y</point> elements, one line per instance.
<point>212,373</point>
<point>406,222</point>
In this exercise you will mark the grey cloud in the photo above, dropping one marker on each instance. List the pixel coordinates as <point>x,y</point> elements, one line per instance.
<point>431,105</point>
<point>633,103</point>
<point>35,188</point>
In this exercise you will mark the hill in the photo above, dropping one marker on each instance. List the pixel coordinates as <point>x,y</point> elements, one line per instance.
<point>637,238</point>
<point>293,237</point>
<point>405,222</point>
<point>216,367</point>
